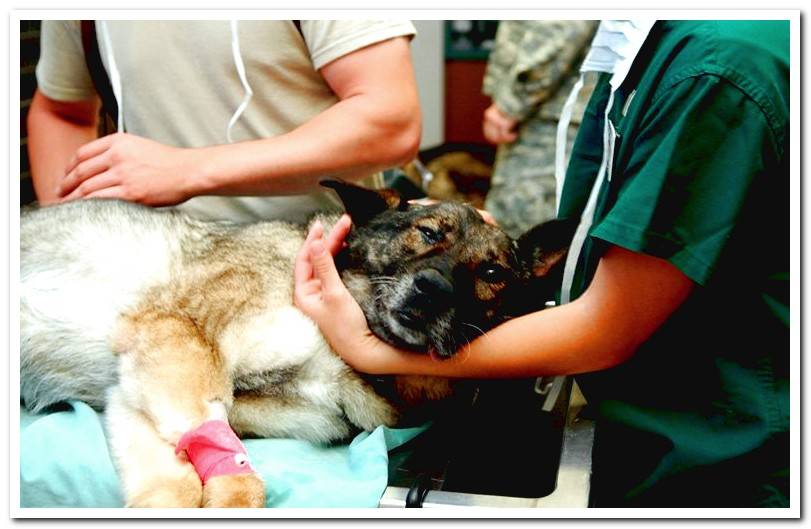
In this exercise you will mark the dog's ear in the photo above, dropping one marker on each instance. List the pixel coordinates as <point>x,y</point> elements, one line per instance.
<point>542,249</point>
<point>362,203</point>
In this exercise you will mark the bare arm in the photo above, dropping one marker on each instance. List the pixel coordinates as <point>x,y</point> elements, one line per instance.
<point>376,124</point>
<point>630,297</point>
<point>56,130</point>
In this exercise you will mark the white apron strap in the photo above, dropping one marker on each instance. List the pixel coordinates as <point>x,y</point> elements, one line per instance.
<point>240,65</point>
<point>587,217</point>
<point>613,50</point>
<point>562,135</point>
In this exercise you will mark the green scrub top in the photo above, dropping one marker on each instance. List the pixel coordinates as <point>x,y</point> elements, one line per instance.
<point>699,416</point>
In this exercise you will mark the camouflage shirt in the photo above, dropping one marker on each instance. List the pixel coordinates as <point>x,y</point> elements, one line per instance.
<point>534,62</point>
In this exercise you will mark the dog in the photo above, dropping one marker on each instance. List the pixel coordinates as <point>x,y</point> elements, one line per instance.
<point>457,176</point>
<point>168,322</point>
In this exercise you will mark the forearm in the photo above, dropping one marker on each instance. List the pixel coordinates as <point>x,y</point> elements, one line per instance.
<point>514,349</point>
<point>354,138</point>
<point>630,296</point>
<point>374,125</point>
<point>52,141</point>
<point>142,170</point>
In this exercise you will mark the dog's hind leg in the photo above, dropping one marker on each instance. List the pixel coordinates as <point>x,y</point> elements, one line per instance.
<point>171,377</point>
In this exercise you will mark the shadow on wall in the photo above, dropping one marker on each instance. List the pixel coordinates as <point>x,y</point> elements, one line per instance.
<point>29,54</point>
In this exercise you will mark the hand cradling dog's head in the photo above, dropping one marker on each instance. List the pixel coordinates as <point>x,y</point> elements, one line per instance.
<point>431,278</point>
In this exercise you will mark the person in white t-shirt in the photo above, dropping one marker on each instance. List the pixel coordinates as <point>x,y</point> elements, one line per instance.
<point>225,120</point>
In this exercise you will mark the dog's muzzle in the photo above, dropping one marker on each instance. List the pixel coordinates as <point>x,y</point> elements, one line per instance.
<point>430,296</point>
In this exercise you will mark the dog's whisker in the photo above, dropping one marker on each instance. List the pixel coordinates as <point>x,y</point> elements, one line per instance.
<point>386,289</point>
<point>382,280</point>
<point>483,333</point>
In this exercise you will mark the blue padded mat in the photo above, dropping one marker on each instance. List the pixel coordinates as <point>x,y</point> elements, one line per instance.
<point>64,462</point>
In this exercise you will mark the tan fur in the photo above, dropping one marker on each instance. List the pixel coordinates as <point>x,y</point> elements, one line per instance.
<point>414,389</point>
<point>240,490</point>
<point>186,491</point>
<point>181,346</point>
<point>458,176</point>
<point>180,349</point>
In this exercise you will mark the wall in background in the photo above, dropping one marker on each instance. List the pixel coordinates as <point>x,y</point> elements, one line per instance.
<point>467,47</point>
<point>427,52</point>
<point>29,54</point>
<point>450,57</point>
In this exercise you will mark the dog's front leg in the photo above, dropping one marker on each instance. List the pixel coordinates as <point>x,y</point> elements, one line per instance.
<point>151,474</point>
<point>173,380</point>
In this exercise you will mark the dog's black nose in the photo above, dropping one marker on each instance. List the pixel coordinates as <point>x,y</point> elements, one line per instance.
<point>433,284</point>
<point>430,296</point>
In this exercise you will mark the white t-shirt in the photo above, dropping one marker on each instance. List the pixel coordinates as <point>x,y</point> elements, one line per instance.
<point>180,86</point>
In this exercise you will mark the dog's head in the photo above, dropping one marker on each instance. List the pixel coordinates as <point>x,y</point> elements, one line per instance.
<point>432,278</point>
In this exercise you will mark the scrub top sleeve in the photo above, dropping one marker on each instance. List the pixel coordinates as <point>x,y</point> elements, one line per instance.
<point>684,174</point>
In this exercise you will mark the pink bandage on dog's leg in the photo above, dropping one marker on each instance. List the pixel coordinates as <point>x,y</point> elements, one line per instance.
<point>214,450</point>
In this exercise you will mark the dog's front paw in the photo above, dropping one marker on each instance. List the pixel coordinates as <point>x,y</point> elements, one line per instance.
<point>234,490</point>
<point>185,491</point>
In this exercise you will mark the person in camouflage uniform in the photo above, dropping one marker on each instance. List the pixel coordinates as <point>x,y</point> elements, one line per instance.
<point>530,73</point>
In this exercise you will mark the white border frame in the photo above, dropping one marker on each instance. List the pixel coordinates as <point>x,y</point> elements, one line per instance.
<point>796,318</point>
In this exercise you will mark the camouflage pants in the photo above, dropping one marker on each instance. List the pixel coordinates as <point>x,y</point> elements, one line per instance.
<point>522,189</point>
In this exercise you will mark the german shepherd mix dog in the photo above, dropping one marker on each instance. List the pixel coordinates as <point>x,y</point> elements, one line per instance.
<point>169,322</point>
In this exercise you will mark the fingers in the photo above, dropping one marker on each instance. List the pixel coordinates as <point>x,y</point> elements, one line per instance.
<point>490,132</point>
<point>92,185</point>
<point>324,267</point>
<point>496,134</point>
<point>490,124</point>
<point>501,133</point>
<point>89,150</point>
<point>303,269</point>
<point>335,240</point>
<point>317,252</point>
<point>85,169</point>
<point>498,127</point>
<point>107,192</point>
<point>314,273</point>
<point>508,136</point>
<point>487,217</point>
<point>316,232</point>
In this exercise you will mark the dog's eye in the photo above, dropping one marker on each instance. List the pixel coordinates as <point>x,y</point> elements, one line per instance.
<point>429,235</point>
<point>492,273</point>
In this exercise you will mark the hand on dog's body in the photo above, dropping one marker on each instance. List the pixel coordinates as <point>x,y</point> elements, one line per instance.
<point>630,297</point>
<point>320,294</point>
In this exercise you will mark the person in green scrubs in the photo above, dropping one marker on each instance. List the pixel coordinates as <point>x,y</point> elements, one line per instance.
<point>678,325</point>
<point>699,415</point>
